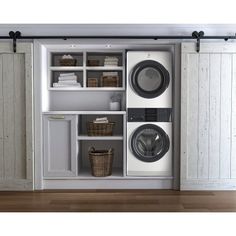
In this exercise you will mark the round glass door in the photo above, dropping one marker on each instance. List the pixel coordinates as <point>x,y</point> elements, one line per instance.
<point>149,143</point>
<point>149,79</point>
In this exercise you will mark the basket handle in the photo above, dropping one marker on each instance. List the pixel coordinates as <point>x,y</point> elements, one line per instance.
<point>91,149</point>
<point>110,150</point>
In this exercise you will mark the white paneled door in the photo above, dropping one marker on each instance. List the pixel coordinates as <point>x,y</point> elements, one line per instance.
<point>16,138</point>
<point>60,158</point>
<point>208,117</point>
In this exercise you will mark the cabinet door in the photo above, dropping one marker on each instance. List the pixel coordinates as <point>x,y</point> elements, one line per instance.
<point>208,117</point>
<point>60,145</point>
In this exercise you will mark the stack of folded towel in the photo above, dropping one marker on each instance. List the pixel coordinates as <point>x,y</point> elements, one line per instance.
<point>111,61</point>
<point>67,80</point>
<point>102,120</point>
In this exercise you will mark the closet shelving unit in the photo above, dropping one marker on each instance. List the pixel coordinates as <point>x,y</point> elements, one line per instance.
<point>69,108</point>
<point>83,70</point>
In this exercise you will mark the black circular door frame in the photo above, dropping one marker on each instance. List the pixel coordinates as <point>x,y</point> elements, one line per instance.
<point>164,137</point>
<point>157,66</point>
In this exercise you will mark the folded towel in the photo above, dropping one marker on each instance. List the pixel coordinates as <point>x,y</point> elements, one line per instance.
<point>107,58</point>
<point>102,118</point>
<point>67,82</point>
<point>66,74</point>
<point>73,77</point>
<point>110,64</point>
<point>101,122</point>
<point>67,85</point>
<point>67,56</point>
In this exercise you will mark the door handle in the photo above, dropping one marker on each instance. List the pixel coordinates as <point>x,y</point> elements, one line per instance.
<point>58,117</point>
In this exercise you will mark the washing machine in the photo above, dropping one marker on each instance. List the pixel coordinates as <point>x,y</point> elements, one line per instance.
<point>149,79</point>
<point>149,142</point>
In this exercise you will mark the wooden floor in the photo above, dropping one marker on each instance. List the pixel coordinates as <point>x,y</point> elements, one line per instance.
<point>117,201</point>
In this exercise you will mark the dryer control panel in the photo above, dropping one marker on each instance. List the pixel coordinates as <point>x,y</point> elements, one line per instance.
<point>149,114</point>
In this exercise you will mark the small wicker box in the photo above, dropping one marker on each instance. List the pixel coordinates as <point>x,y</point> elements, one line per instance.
<point>101,162</point>
<point>92,82</point>
<point>67,62</point>
<point>110,81</point>
<point>100,129</point>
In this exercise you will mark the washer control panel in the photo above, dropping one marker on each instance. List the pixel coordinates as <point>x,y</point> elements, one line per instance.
<point>149,114</point>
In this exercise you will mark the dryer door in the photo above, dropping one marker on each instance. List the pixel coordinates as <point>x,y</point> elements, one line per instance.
<point>149,143</point>
<point>149,79</point>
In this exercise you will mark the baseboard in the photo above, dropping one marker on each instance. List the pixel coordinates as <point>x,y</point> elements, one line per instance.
<point>108,184</point>
<point>208,184</point>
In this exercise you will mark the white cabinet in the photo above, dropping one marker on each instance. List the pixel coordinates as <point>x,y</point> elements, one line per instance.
<point>60,154</point>
<point>66,110</point>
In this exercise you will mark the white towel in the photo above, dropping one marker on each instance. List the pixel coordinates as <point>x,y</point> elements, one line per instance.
<point>110,64</point>
<point>68,82</point>
<point>63,78</point>
<point>101,118</point>
<point>67,85</point>
<point>111,58</point>
<point>100,122</point>
<point>67,74</point>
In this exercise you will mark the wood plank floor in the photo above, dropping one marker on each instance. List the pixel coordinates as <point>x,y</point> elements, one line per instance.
<point>118,201</point>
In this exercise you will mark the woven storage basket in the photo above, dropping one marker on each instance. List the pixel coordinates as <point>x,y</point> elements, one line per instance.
<point>67,62</point>
<point>110,81</point>
<point>101,162</point>
<point>100,129</point>
<point>92,82</point>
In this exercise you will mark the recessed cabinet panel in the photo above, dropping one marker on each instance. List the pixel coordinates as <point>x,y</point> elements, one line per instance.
<point>60,145</point>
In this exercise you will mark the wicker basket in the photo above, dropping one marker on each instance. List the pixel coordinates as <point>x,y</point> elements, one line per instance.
<point>110,81</point>
<point>101,162</point>
<point>92,82</point>
<point>100,129</point>
<point>67,62</point>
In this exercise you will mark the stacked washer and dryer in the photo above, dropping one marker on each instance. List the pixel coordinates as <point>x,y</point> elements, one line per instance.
<point>149,106</point>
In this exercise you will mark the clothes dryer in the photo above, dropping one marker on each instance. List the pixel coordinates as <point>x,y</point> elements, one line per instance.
<point>149,79</point>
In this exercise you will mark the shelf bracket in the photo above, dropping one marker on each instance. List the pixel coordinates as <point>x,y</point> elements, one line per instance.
<point>198,36</point>
<point>14,36</point>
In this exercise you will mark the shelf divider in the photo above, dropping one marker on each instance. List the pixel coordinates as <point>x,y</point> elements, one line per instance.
<point>66,68</point>
<point>85,137</point>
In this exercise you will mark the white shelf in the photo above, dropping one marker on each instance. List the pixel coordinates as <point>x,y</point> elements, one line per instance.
<point>84,137</point>
<point>99,89</point>
<point>85,173</point>
<point>104,68</point>
<point>84,112</point>
<point>80,68</point>
<point>66,68</point>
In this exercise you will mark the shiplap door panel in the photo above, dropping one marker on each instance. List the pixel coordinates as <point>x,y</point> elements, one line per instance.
<point>208,117</point>
<point>16,150</point>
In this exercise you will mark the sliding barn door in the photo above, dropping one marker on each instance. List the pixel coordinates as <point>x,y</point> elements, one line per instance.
<point>208,117</point>
<point>16,137</point>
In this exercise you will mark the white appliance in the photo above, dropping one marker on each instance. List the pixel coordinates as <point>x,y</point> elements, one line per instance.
<point>149,79</point>
<point>149,143</point>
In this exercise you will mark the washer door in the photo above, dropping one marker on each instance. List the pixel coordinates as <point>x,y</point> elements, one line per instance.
<point>149,79</point>
<point>149,143</point>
